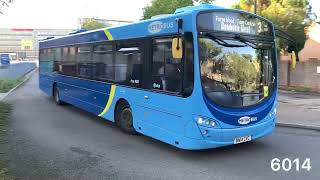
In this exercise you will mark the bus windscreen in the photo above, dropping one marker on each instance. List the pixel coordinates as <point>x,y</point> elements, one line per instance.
<point>233,22</point>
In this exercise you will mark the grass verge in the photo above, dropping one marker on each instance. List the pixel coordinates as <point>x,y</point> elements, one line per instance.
<point>4,115</point>
<point>7,84</point>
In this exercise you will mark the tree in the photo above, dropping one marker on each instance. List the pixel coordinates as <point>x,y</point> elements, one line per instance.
<point>4,3</point>
<point>289,16</point>
<point>167,6</point>
<point>240,71</point>
<point>205,1</point>
<point>164,7</point>
<point>91,24</point>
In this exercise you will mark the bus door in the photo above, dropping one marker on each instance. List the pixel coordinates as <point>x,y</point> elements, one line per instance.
<point>163,105</point>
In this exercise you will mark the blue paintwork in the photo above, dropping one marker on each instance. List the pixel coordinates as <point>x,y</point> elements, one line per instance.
<point>168,118</point>
<point>231,116</point>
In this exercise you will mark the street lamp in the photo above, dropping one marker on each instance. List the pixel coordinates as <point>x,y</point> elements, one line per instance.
<point>255,6</point>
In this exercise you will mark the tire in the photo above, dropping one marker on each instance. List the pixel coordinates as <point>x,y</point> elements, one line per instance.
<point>56,96</point>
<point>125,119</point>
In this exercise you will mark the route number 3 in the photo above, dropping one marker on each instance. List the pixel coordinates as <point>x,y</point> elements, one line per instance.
<point>287,164</point>
<point>259,27</point>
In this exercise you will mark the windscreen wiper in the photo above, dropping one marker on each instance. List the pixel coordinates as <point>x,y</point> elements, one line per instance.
<point>222,42</point>
<point>249,42</point>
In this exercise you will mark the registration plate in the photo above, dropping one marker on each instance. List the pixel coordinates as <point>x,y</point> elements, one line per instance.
<point>242,139</point>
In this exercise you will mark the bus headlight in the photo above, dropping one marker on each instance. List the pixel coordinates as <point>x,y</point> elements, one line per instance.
<point>200,121</point>
<point>212,123</point>
<point>273,113</point>
<point>206,122</point>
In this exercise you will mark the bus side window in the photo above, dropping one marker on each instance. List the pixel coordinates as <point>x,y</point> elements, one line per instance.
<point>46,60</point>
<point>56,59</point>
<point>166,71</point>
<point>49,55</point>
<point>84,62</point>
<point>128,64</point>
<point>69,65</point>
<point>42,54</point>
<point>103,62</point>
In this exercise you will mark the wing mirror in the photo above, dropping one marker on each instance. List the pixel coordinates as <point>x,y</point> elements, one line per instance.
<point>177,48</point>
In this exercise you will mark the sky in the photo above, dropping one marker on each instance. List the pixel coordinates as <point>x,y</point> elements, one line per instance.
<point>64,14</point>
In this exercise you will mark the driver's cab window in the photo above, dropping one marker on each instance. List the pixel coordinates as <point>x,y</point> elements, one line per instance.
<point>166,71</point>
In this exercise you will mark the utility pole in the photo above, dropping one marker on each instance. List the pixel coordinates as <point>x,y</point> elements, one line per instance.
<point>255,6</point>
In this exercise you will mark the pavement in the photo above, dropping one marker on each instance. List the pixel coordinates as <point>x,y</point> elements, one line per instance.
<point>47,141</point>
<point>304,99</point>
<point>296,109</point>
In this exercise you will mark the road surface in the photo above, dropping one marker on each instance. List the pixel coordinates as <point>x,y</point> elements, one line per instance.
<point>47,141</point>
<point>17,70</point>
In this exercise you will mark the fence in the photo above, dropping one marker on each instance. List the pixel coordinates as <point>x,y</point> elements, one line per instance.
<point>306,75</point>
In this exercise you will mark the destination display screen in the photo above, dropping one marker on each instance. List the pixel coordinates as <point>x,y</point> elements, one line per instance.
<point>233,22</point>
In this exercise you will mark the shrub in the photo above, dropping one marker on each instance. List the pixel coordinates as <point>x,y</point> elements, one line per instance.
<point>7,84</point>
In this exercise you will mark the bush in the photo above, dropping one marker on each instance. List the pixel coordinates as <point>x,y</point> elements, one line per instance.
<point>4,115</point>
<point>4,112</point>
<point>7,84</point>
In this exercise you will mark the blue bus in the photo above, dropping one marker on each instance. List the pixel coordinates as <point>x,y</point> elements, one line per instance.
<point>203,77</point>
<point>4,60</point>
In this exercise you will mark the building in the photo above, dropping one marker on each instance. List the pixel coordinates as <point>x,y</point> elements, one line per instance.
<point>311,46</point>
<point>306,75</point>
<point>23,43</point>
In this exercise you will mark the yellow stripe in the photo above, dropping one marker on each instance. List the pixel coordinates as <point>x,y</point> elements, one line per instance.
<point>108,34</point>
<point>111,95</point>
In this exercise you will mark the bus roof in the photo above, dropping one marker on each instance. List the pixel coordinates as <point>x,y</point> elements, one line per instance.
<point>158,25</point>
<point>161,24</point>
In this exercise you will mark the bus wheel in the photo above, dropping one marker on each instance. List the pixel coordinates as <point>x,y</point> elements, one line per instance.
<point>56,96</point>
<point>125,119</point>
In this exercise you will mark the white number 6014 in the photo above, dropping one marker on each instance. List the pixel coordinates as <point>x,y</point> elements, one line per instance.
<point>286,164</point>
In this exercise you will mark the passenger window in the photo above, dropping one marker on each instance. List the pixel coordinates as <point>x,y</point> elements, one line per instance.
<point>46,60</point>
<point>103,68</point>
<point>72,54</point>
<point>85,65</point>
<point>42,54</point>
<point>166,71</point>
<point>68,66</point>
<point>57,54</point>
<point>56,59</point>
<point>49,55</point>
<point>103,48</point>
<point>65,53</point>
<point>128,64</point>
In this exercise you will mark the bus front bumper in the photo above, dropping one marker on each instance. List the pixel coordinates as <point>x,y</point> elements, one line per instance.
<point>215,137</point>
